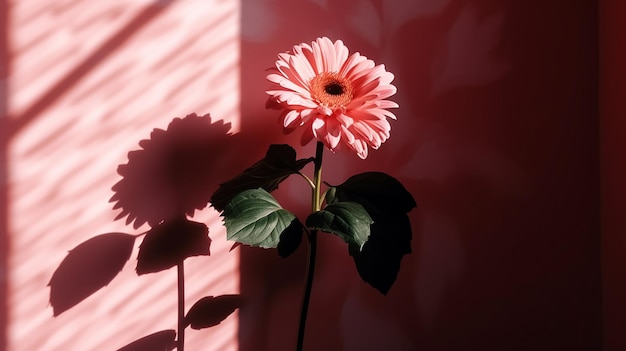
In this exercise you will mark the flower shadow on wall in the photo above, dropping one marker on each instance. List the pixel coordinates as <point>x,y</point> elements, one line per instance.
<point>165,182</point>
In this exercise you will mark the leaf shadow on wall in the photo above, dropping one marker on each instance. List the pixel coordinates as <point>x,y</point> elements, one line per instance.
<point>87,268</point>
<point>163,183</point>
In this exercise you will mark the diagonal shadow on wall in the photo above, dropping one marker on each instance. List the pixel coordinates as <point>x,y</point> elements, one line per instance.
<point>100,55</point>
<point>10,126</point>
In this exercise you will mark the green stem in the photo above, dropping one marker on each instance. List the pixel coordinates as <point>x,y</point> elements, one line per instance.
<point>308,180</point>
<point>181,307</point>
<point>317,177</point>
<point>307,291</point>
<point>312,253</point>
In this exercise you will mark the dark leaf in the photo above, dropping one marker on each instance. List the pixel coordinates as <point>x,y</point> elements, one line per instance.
<point>378,263</point>
<point>164,340</point>
<point>210,311</point>
<point>255,218</point>
<point>278,164</point>
<point>387,201</point>
<point>169,243</point>
<point>376,191</point>
<point>87,268</point>
<point>290,239</point>
<point>348,220</point>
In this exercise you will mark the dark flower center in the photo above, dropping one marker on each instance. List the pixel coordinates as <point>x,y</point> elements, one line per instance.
<point>331,90</point>
<point>334,88</point>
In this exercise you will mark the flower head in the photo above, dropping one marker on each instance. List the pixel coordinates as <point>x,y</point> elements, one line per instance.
<point>339,99</point>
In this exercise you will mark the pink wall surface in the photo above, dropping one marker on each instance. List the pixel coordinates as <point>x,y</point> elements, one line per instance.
<point>87,81</point>
<point>496,138</point>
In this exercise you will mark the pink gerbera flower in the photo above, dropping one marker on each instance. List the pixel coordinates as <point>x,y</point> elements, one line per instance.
<point>340,100</point>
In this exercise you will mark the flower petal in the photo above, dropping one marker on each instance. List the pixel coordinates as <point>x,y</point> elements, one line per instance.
<point>358,122</point>
<point>292,119</point>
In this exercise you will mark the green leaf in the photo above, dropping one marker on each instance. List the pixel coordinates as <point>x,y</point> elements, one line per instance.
<point>255,218</point>
<point>376,191</point>
<point>278,164</point>
<point>387,201</point>
<point>378,262</point>
<point>170,243</point>
<point>290,239</point>
<point>348,220</point>
<point>210,311</point>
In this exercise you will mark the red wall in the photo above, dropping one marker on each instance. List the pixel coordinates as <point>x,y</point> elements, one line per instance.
<point>497,139</point>
<point>612,147</point>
